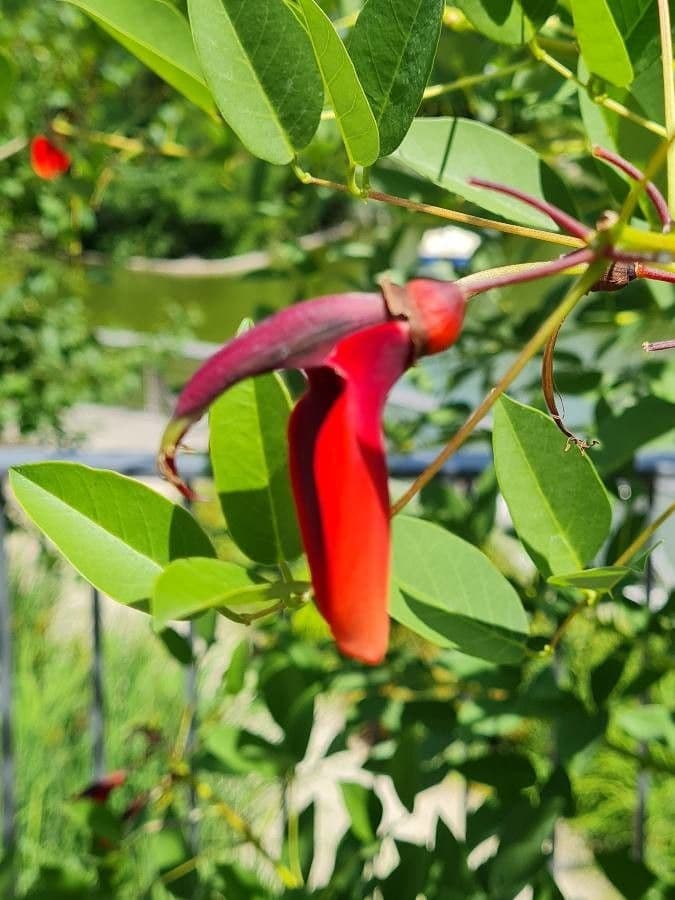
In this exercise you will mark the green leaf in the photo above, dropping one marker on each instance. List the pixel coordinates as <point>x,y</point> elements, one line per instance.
<point>450,593</point>
<point>238,752</point>
<point>632,878</point>
<point>365,811</point>
<point>249,455</point>
<point>353,114</point>
<point>261,69</point>
<point>602,579</point>
<point>507,772</point>
<point>558,504</point>
<point>118,533</point>
<point>650,722</point>
<point>638,22</point>
<point>600,40</point>
<point>605,128</point>
<point>177,645</point>
<point>393,46</point>
<point>156,33</point>
<point>450,151</point>
<point>190,586</point>
<point>524,832</point>
<point>290,694</point>
<point>507,21</point>
<point>621,436</point>
<point>236,671</point>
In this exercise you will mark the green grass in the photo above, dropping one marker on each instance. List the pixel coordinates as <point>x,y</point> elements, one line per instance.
<point>52,700</point>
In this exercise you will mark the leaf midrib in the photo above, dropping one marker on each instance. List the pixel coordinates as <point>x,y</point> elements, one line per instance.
<point>273,117</point>
<point>545,499</point>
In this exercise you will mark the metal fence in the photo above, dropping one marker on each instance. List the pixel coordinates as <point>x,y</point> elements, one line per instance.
<point>654,469</point>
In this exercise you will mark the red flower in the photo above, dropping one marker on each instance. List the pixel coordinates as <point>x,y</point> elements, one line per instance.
<point>46,159</point>
<point>100,790</point>
<point>353,347</point>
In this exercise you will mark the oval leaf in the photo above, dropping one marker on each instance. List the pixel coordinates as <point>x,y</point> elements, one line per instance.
<point>249,455</point>
<point>393,46</point>
<point>352,111</point>
<point>157,34</point>
<point>449,592</point>
<point>188,587</point>
<point>558,504</point>
<point>507,21</point>
<point>118,533</point>
<point>261,69</point>
<point>450,151</point>
<point>600,41</point>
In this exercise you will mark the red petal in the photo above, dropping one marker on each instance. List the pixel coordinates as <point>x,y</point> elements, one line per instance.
<point>46,159</point>
<point>339,475</point>
<point>98,791</point>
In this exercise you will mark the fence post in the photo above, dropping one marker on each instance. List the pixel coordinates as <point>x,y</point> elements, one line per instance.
<point>642,788</point>
<point>8,796</point>
<point>97,706</point>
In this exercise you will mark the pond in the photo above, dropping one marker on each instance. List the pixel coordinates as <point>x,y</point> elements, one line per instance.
<point>211,307</point>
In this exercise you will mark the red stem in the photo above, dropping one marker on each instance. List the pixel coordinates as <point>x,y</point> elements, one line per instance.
<point>654,194</point>
<point>566,222</point>
<point>542,270</point>
<point>653,274</point>
<point>658,345</point>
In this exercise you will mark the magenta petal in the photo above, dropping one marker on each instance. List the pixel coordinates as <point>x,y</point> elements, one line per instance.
<point>294,338</point>
<point>339,475</point>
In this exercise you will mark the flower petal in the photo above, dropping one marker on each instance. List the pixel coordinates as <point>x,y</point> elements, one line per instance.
<point>339,476</point>
<point>46,160</point>
<point>297,337</point>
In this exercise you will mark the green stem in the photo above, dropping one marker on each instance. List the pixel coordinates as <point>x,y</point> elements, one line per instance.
<point>131,146</point>
<point>461,84</point>
<point>607,102</point>
<point>644,536</point>
<point>536,342</point>
<point>440,212</point>
<point>668,94</point>
<point>590,599</point>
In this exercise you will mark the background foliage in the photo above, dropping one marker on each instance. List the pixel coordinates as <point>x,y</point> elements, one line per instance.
<point>533,737</point>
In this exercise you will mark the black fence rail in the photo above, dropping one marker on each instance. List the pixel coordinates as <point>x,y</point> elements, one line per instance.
<point>464,467</point>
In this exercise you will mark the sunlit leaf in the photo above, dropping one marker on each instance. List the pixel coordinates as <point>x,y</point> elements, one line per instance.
<point>118,533</point>
<point>156,33</point>
<point>451,151</point>
<point>259,64</point>
<point>601,41</point>
<point>393,46</point>
<point>249,455</point>
<point>507,21</point>
<point>352,111</point>
<point>447,591</point>
<point>190,586</point>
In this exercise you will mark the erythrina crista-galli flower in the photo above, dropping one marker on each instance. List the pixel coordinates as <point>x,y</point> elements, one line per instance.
<point>353,348</point>
<point>46,159</point>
